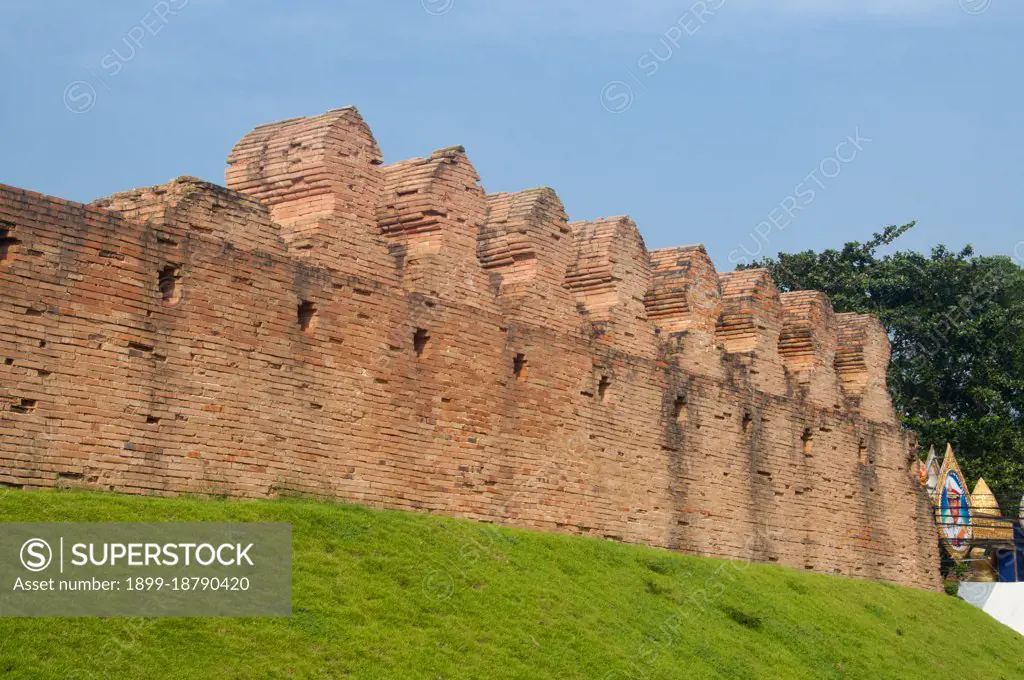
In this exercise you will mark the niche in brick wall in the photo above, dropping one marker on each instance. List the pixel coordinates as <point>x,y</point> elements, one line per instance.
<point>808,441</point>
<point>603,392</point>
<point>307,316</point>
<point>519,367</point>
<point>679,411</point>
<point>24,406</point>
<point>169,282</point>
<point>7,242</point>
<point>862,453</point>
<point>420,340</point>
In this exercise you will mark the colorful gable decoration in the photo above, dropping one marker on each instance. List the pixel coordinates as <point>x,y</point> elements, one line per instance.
<point>988,522</point>
<point>953,508</point>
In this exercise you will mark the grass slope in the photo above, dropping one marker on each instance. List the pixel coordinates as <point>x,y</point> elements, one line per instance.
<point>396,595</point>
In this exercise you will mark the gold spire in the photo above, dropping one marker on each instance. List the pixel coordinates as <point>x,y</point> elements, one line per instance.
<point>987,526</point>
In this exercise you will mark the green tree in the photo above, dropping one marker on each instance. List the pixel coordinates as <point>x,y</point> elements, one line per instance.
<point>956,323</point>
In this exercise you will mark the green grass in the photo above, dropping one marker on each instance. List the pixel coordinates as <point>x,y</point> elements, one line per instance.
<point>396,595</point>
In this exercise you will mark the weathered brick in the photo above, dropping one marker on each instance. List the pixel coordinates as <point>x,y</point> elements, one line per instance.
<point>392,335</point>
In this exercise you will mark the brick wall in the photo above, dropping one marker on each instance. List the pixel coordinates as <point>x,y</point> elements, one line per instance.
<point>392,335</point>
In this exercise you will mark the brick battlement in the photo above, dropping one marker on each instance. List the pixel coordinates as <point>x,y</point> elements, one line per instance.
<point>394,335</point>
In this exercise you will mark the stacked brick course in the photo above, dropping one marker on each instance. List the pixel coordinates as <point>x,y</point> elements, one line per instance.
<point>393,335</point>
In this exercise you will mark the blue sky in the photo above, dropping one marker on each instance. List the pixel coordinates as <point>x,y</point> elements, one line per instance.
<point>707,122</point>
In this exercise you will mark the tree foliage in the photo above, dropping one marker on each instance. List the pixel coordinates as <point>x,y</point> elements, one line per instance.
<point>956,323</point>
